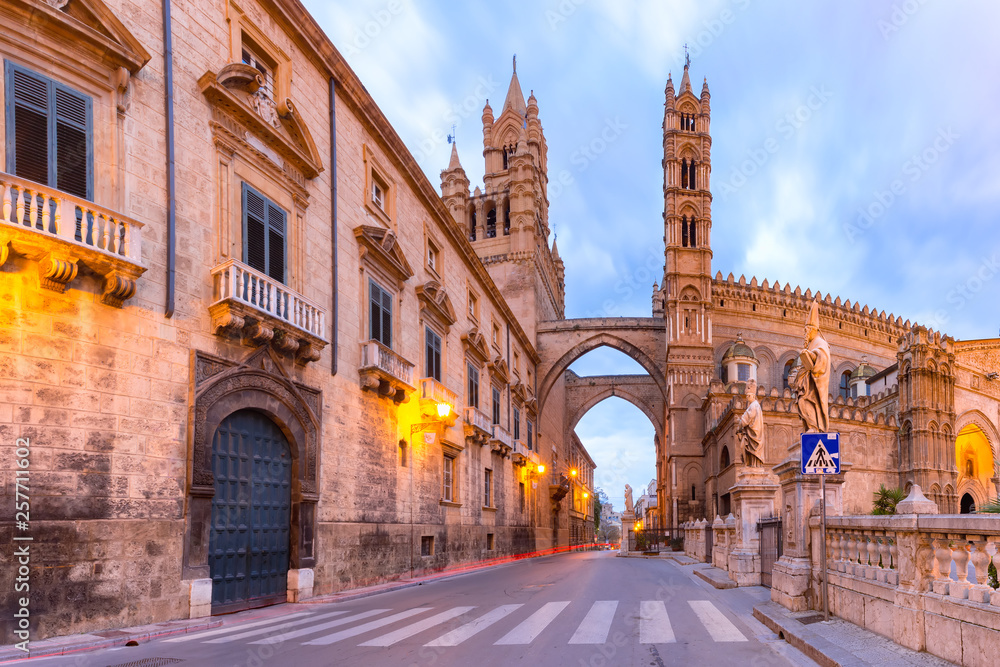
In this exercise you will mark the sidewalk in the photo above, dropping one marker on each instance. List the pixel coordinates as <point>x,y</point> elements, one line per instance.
<point>836,643</point>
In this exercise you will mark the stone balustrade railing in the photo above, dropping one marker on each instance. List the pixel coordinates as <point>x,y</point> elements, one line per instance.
<point>502,435</point>
<point>60,230</point>
<point>376,355</point>
<point>478,425</point>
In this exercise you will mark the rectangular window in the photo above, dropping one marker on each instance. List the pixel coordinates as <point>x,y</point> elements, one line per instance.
<point>530,429</point>
<point>252,56</point>
<point>496,405</point>
<point>427,545</point>
<point>380,314</point>
<point>49,132</point>
<point>489,541</point>
<point>448,491</point>
<point>473,306</point>
<point>263,234</point>
<point>521,494</point>
<point>433,260</point>
<point>432,345</point>
<point>488,488</point>
<point>517,424</point>
<point>496,334</point>
<point>472,397</point>
<point>743,372</point>
<point>378,194</point>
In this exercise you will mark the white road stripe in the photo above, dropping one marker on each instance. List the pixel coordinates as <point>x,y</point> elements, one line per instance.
<point>720,627</point>
<point>419,626</point>
<point>361,629</point>
<point>459,635</point>
<point>654,624</point>
<point>278,626</point>
<point>532,626</point>
<point>596,625</point>
<point>274,639</point>
<point>195,636</point>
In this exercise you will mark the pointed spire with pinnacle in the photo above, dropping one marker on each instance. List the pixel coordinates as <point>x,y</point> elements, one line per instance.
<point>515,98</point>
<point>454,163</point>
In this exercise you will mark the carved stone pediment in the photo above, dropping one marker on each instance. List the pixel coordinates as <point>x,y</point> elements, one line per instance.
<point>519,391</point>
<point>499,370</point>
<point>87,23</point>
<point>435,304</point>
<point>381,245</point>
<point>475,345</point>
<point>275,122</point>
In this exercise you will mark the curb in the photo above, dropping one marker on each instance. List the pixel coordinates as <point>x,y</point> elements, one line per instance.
<point>89,642</point>
<point>816,648</point>
<point>711,575</point>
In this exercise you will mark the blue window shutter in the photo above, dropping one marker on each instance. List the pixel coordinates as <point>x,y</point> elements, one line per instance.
<point>254,229</point>
<point>28,125</point>
<point>276,246</point>
<point>72,142</point>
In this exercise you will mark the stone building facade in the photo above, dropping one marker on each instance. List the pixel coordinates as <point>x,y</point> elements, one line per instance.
<point>256,358</point>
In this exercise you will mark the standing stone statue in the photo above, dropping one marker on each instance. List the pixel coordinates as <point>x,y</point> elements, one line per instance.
<point>750,430</point>
<point>813,380</point>
<point>629,507</point>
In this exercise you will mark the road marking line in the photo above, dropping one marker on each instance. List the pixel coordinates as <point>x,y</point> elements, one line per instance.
<point>278,626</point>
<point>597,624</point>
<point>654,624</point>
<point>720,627</point>
<point>275,639</point>
<point>532,626</point>
<point>459,635</point>
<point>419,626</point>
<point>194,636</point>
<point>361,629</point>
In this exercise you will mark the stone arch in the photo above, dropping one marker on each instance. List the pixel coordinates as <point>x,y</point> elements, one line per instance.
<point>986,426</point>
<point>602,339</point>
<point>624,394</point>
<point>767,370</point>
<point>258,383</point>
<point>837,373</point>
<point>693,475</point>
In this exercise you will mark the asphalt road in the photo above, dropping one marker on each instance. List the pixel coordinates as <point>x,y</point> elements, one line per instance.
<point>588,609</point>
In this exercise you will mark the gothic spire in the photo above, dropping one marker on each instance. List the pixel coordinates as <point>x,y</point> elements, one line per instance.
<point>515,98</point>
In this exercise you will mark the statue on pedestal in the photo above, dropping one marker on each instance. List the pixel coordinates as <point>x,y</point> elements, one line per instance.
<point>629,507</point>
<point>812,382</point>
<point>750,430</point>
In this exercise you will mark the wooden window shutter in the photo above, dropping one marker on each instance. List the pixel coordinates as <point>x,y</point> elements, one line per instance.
<point>276,242</point>
<point>254,229</point>
<point>49,132</point>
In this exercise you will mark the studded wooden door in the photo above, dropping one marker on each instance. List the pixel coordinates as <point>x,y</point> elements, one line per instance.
<point>251,512</point>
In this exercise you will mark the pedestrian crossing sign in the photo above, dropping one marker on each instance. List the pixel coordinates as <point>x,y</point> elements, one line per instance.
<point>820,453</point>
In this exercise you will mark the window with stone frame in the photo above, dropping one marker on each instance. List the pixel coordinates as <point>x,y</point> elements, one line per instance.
<point>786,372</point>
<point>257,57</point>
<point>516,422</point>
<point>521,494</point>
<point>743,372</point>
<point>472,388</point>
<point>845,385</point>
<point>488,488</point>
<point>496,404</point>
<point>265,227</point>
<point>529,427</point>
<point>379,314</point>
<point>50,133</point>
<point>432,357</point>
<point>448,478</point>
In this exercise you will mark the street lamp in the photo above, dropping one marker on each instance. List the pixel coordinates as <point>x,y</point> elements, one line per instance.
<point>541,469</point>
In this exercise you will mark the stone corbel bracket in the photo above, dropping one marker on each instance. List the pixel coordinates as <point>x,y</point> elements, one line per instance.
<point>231,319</point>
<point>371,380</point>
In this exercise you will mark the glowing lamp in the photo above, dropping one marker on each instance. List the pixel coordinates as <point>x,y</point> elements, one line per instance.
<point>586,495</point>
<point>573,472</point>
<point>541,469</point>
<point>443,410</point>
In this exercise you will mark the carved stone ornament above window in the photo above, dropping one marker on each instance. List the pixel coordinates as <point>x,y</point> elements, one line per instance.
<point>379,245</point>
<point>475,345</point>
<point>519,392</point>
<point>276,123</point>
<point>436,305</point>
<point>85,24</point>
<point>499,370</point>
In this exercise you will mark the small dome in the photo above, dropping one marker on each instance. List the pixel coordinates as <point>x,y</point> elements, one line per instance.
<point>739,349</point>
<point>863,371</point>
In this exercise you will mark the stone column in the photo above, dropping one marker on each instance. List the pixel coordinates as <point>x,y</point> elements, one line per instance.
<point>628,527</point>
<point>792,581</point>
<point>753,498</point>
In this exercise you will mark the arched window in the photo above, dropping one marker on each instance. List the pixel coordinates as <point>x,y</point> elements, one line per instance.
<point>684,231</point>
<point>472,226</point>
<point>786,372</point>
<point>684,173</point>
<point>845,385</point>
<point>691,234</point>
<point>969,469</point>
<point>491,224</point>
<point>724,459</point>
<point>506,219</point>
<point>694,495</point>
<point>724,374</point>
<point>690,178</point>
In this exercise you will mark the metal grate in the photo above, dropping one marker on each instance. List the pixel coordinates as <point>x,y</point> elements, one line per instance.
<point>810,619</point>
<point>149,662</point>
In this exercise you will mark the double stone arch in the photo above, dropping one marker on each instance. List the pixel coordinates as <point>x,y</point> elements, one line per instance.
<point>643,339</point>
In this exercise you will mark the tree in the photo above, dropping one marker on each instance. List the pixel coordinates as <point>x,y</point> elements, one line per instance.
<point>600,498</point>
<point>885,500</point>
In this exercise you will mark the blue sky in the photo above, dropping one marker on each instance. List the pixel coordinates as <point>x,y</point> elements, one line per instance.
<point>853,146</point>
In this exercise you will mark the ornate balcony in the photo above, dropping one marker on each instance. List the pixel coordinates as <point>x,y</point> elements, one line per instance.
<point>386,372</point>
<point>521,453</point>
<point>501,440</point>
<point>259,309</point>
<point>477,425</point>
<point>61,231</point>
<point>432,394</point>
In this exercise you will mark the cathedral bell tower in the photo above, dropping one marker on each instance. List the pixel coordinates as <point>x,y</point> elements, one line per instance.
<point>686,292</point>
<point>507,221</point>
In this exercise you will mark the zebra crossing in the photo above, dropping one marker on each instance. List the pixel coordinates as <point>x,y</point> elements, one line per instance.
<point>330,627</point>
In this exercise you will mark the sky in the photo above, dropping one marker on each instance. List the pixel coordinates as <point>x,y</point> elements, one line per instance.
<point>853,147</point>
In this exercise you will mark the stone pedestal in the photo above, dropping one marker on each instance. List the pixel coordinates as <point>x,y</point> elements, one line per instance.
<point>628,527</point>
<point>753,498</point>
<point>792,584</point>
<point>199,598</point>
<point>300,584</point>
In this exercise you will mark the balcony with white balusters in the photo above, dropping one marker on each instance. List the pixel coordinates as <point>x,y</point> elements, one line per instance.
<point>62,231</point>
<point>386,372</point>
